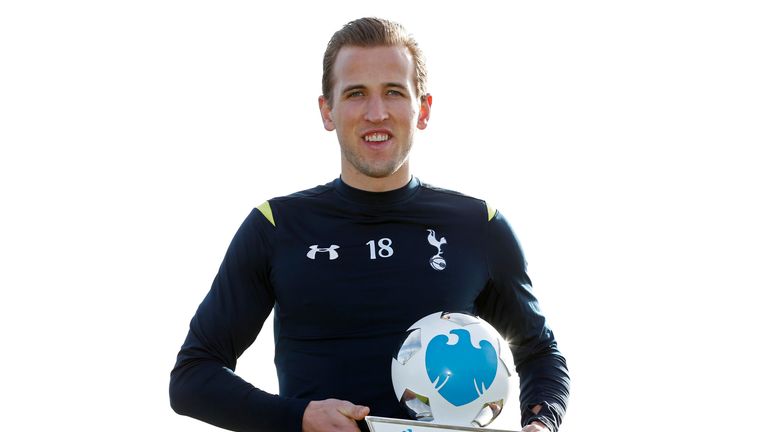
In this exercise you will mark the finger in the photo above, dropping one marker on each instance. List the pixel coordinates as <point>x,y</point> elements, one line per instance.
<point>356,412</point>
<point>534,427</point>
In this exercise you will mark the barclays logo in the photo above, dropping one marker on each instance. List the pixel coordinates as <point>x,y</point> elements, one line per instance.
<point>460,372</point>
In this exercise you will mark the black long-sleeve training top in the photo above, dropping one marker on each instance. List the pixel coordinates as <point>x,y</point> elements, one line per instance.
<point>347,272</point>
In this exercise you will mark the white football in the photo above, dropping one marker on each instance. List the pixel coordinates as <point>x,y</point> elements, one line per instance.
<point>453,369</point>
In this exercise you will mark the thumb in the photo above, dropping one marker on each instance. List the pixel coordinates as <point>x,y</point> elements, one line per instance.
<point>356,412</point>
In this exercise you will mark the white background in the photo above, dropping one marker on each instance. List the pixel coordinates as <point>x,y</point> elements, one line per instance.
<point>623,140</point>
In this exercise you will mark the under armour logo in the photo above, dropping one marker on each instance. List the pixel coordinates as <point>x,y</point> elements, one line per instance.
<point>331,251</point>
<point>437,262</point>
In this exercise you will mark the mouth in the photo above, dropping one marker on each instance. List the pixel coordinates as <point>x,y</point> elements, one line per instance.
<point>378,137</point>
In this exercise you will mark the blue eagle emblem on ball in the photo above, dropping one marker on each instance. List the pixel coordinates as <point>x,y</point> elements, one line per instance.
<point>460,372</point>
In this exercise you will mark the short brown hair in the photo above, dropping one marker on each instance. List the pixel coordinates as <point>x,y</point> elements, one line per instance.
<point>372,32</point>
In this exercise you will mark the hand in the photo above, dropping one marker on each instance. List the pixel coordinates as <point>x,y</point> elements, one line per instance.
<point>535,426</point>
<point>333,415</point>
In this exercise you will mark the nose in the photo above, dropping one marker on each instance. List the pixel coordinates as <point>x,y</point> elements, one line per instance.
<point>376,110</point>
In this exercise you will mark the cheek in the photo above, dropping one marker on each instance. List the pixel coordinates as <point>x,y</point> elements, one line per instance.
<point>415,111</point>
<point>404,113</point>
<point>344,115</point>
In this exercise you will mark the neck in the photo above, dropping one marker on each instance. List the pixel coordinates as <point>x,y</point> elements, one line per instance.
<point>358,180</point>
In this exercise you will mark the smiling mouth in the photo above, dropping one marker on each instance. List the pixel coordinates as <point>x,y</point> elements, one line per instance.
<point>377,137</point>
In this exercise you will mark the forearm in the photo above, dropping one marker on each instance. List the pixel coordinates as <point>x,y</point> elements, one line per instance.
<point>544,389</point>
<point>208,391</point>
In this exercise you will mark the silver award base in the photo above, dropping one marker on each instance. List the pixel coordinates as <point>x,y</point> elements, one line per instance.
<point>383,424</point>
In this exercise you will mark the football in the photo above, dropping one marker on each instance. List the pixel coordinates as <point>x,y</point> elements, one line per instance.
<point>452,369</point>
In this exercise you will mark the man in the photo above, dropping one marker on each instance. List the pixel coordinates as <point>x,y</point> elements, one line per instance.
<point>349,266</point>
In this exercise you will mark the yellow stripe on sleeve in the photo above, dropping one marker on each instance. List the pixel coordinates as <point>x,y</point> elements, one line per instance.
<point>491,211</point>
<point>266,210</point>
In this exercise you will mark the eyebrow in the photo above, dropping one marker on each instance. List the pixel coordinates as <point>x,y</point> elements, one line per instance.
<point>362,87</point>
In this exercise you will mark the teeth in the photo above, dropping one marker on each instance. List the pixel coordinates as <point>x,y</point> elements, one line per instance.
<point>377,137</point>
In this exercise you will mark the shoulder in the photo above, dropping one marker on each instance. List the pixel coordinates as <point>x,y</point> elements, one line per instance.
<point>311,193</point>
<point>270,207</point>
<point>458,199</point>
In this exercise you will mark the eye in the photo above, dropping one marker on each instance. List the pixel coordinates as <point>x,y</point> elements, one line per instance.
<point>355,93</point>
<point>394,93</point>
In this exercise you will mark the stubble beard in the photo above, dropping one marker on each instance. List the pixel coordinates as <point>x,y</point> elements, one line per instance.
<point>376,169</point>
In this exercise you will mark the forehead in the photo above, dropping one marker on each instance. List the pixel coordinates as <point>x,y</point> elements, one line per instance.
<point>374,65</point>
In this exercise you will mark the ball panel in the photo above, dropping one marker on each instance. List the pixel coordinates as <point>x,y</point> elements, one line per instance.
<point>451,369</point>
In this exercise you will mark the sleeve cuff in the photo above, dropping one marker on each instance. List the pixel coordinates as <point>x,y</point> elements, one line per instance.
<point>547,415</point>
<point>296,409</point>
<point>547,422</point>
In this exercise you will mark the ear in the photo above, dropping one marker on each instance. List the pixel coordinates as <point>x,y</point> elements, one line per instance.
<point>425,107</point>
<point>325,113</point>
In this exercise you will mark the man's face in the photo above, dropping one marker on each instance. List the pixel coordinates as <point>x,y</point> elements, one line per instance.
<point>375,110</point>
